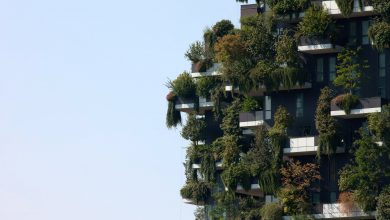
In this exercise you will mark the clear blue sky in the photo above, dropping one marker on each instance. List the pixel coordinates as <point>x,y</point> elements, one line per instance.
<point>82,106</point>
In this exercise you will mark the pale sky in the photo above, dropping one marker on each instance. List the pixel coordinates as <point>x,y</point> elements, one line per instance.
<point>82,106</point>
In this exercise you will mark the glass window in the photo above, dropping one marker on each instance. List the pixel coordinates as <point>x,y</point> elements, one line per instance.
<point>332,68</point>
<point>382,75</point>
<point>333,197</point>
<point>299,111</point>
<point>316,198</point>
<point>365,39</point>
<point>352,33</point>
<point>268,113</point>
<point>320,70</point>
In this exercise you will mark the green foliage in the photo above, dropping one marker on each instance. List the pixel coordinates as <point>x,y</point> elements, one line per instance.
<point>250,104</point>
<point>383,7</point>
<point>196,52</point>
<point>199,192</point>
<point>183,86</point>
<point>379,124</point>
<point>283,7</point>
<point>379,33</point>
<point>272,211</point>
<point>222,28</point>
<point>366,174</point>
<point>231,122</point>
<point>278,135</point>
<point>226,206</point>
<point>194,129</point>
<point>207,167</point>
<point>349,70</point>
<point>345,6</point>
<point>217,94</point>
<point>199,213</point>
<point>326,125</point>
<point>249,208</point>
<point>173,117</point>
<point>236,174</point>
<point>231,151</point>
<point>205,85</point>
<point>346,101</point>
<point>297,182</point>
<point>383,209</point>
<point>257,35</point>
<point>315,23</point>
<point>287,50</point>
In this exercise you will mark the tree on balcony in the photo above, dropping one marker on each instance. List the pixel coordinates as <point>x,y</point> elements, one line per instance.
<point>326,125</point>
<point>315,23</point>
<point>349,73</point>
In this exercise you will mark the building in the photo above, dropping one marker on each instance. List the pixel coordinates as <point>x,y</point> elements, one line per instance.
<point>234,94</point>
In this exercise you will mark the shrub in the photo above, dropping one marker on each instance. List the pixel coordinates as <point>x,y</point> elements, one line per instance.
<point>199,192</point>
<point>315,22</point>
<point>231,122</point>
<point>294,203</point>
<point>250,104</point>
<point>383,208</point>
<point>383,7</point>
<point>379,33</point>
<point>257,35</point>
<point>222,28</point>
<point>231,151</point>
<point>183,86</point>
<point>228,48</point>
<point>236,174</point>
<point>196,52</point>
<point>379,124</point>
<point>283,7</point>
<point>326,125</point>
<point>287,50</point>
<point>205,85</point>
<point>194,129</point>
<point>272,211</point>
<point>346,101</point>
<point>347,203</point>
<point>345,6</point>
<point>173,117</point>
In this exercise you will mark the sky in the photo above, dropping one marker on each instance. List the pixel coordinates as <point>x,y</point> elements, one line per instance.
<point>82,106</point>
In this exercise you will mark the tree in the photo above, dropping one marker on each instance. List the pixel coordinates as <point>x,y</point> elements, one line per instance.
<point>297,182</point>
<point>349,70</point>
<point>194,129</point>
<point>367,173</point>
<point>383,208</point>
<point>326,125</point>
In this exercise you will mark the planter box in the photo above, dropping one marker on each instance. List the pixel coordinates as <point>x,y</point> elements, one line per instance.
<point>251,119</point>
<point>333,9</point>
<point>317,45</point>
<point>360,110</point>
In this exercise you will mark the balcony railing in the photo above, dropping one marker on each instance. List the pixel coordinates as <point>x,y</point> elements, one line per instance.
<point>253,191</point>
<point>305,146</point>
<point>188,105</point>
<point>251,119</point>
<point>213,71</point>
<point>336,211</point>
<point>333,9</point>
<point>364,106</point>
<point>317,46</point>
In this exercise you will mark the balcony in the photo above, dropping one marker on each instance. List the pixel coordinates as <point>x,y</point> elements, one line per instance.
<point>261,89</point>
<point>333,9</point>
<point>253,191</point>
<point>251,119</point>
<point>191,202</point>
<point>213,71</point>
<point>188,105</point>
<point>302,146</point>
<point>218,165</point>
<point>362,108</point>
<point>317,46</point>
<point>336,211</point>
